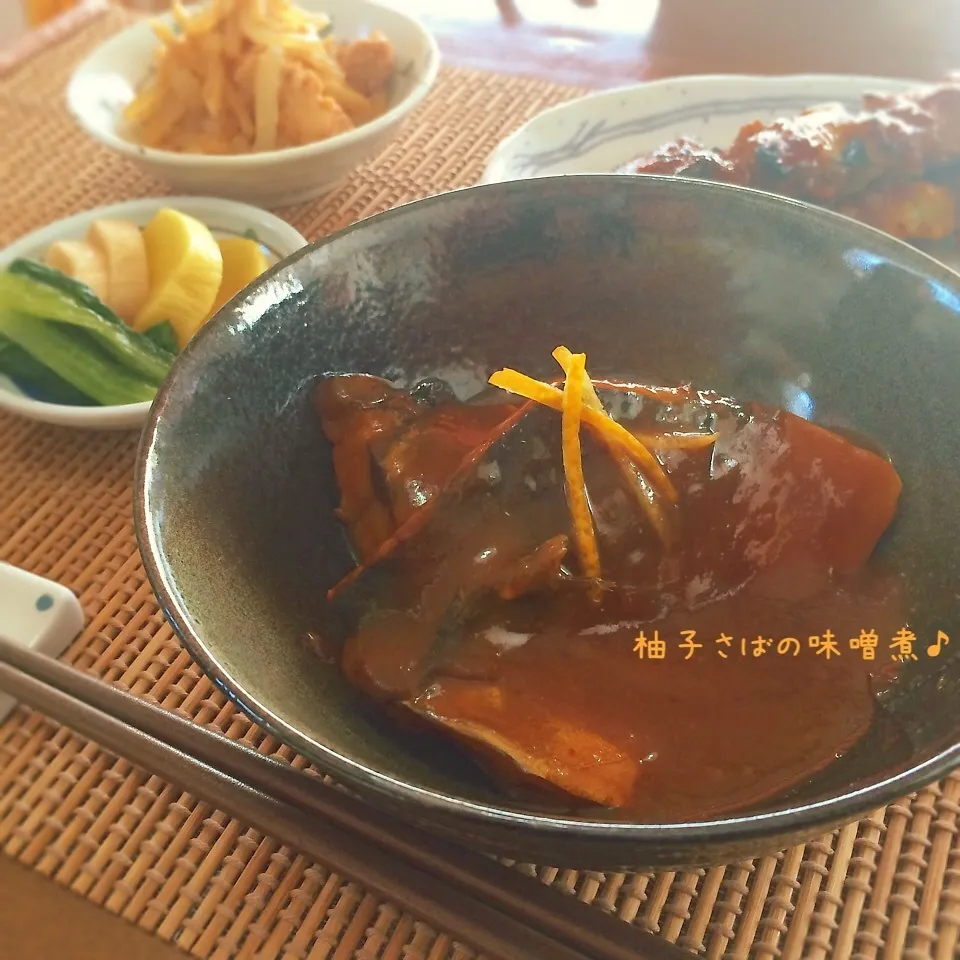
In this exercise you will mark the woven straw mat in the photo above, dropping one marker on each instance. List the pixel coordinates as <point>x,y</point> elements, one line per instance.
<point>888,886</point>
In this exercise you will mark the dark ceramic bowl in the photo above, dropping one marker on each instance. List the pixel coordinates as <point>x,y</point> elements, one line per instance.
<point>760,297</point>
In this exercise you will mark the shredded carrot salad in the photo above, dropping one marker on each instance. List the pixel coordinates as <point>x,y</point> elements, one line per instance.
<point>246,76</point>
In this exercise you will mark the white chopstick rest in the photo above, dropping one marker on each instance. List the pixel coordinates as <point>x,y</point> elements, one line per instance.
<point>36,613</point>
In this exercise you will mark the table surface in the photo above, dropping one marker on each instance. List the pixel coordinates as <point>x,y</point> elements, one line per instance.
<point>622,41</point>
<point>609,43</point>
<point>41,921</point>
<point>606,43</point>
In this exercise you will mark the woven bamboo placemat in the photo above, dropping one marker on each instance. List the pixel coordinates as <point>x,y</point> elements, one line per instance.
<point>886,887</point>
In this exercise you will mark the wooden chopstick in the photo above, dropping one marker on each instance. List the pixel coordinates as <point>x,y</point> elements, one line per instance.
<point>496,934</point>
<point>505,915</point>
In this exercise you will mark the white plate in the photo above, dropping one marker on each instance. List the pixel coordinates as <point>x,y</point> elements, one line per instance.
<point>103,85</point>
<point>600,132</point>
<point>223,217</point>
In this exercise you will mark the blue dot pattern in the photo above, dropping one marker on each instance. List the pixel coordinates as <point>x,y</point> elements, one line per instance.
<point>44,602</point>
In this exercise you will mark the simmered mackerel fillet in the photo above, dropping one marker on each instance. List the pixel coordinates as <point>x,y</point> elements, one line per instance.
<point>546,745</point>
<point>392,451</point>
<point>472,613</point>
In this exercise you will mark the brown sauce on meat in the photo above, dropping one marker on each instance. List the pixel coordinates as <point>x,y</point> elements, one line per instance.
<point>704,674</point>
<point>894,164</point>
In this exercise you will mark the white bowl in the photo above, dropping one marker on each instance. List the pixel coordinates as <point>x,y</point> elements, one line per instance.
<point>223,217</point>
<point>103,85</point>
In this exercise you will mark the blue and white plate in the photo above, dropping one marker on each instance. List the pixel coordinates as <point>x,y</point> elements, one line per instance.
<point>603,131</point>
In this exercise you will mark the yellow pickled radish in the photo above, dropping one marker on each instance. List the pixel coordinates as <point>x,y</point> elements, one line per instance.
<point>243,261</point>
<point>121,245</point>
<point>186,269</point>
<point>81,261</point>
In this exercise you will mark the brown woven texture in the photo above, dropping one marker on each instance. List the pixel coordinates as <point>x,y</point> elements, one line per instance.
<point>887,887</point>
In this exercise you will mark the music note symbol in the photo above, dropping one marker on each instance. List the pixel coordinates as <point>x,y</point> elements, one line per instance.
<point>934,649</point>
